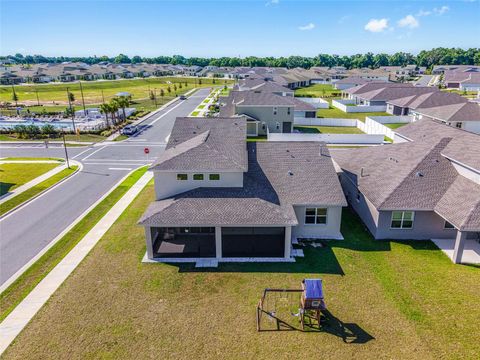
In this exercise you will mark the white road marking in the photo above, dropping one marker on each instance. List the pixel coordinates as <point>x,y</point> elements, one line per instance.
<point>86,157</point>
<point>167,138</point>
<point>119,168</point>
<point>132,140</point>
<point>115,163</point>
<point>84,151</point>
<point>130,160</point>
<point>165,113</point>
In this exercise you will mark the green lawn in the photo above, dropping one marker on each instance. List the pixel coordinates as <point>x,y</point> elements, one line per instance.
<point>256,138</point>
<point>386,300</point>
<point>200,106</point>
<point>30,278</point>
<point>92,90</point>
<point>35,190</point>
<point>195,113</point>
<point>337,113</point>
<point>329,129</point>
<point>318,90</point>
<point>121,137</point>
<point>394,126</point>
<point>467,94</point>
<point>15,175</point>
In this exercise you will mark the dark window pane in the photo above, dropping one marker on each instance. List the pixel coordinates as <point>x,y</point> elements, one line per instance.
<point>214,176</point>
<point>182,177</point>
<point>396,224</point>
<point>321,211</point>
<point>197,176</point>
<point>321,219</point>
<point>407,224</point>
<point>309,219</point>
<point>310,211</point>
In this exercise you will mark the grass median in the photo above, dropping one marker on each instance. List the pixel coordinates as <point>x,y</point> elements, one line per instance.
<point>19,289</point>
<point>13,175</point>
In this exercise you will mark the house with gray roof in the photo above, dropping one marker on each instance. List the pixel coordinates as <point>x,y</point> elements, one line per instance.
<point>219,197</point>
<point>427,186</point>
<point>266,111</point>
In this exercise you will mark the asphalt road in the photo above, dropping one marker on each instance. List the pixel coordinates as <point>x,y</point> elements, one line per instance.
<point>25,232</point>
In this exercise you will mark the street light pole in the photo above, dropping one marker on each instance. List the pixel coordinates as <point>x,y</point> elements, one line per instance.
<point>83,100</point>
<point>65,147</point>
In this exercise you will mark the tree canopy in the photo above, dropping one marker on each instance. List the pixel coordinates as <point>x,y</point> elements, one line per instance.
<point>428,58</point>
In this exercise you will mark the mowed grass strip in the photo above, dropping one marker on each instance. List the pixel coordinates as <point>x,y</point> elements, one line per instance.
<point>14,175</point>
<point>389,300</point>
<point>35,190</point>
<point>19,289</point>
<point>318,90</point>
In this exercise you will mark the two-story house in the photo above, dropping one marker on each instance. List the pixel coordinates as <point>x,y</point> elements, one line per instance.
<point>219,197</point>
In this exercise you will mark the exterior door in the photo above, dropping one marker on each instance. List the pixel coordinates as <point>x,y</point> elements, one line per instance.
<point>286,127</point>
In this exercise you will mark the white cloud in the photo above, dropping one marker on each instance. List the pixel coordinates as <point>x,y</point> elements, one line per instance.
<point>408,21</point>
<point>423,13</point>
<point>309,26</point>
<point>377,25</point>
<point>272,2</point>
<point>437,11</point>
<point>442,10</point>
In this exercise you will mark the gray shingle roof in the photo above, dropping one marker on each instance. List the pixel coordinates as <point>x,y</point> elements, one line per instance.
<point>205,144</point>
<point>279,175</point>
<point>409,176</point>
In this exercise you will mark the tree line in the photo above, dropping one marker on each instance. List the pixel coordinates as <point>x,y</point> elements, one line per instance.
<point>428,58</point>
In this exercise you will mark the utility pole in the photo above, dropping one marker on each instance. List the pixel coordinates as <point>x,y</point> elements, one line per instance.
<point>83,100</point>
<point>65,147</point>
<point>71,111</point>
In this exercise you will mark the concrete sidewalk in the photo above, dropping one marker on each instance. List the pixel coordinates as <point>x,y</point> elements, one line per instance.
<point>26,310</point>
<point>11,194</point>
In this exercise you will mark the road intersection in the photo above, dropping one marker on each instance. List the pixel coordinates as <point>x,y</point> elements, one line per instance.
<point>27,231</point>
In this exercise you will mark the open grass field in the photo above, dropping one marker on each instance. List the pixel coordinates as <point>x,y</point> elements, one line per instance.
<point>15,175</point>
<point>35,190</point>
<point>386,299</point>
<point>328,129</point>
<point>51,94</point>
<point>318,90</point>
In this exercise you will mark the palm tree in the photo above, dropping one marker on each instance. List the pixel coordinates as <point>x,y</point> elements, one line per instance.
<point>122,102</point>
<point>113,110</point>
<point>105,109</point>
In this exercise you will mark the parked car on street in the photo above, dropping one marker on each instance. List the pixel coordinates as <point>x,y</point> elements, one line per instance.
<point>129,130</point>
<point>183,97</point>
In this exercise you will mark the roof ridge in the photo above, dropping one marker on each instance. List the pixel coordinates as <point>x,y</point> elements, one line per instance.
<point>387,198</point>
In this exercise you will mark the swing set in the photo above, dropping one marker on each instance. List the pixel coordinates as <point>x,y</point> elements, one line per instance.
<point>277,306</point>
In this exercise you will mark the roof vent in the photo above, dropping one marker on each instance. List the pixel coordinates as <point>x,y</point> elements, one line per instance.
<point>418,174</point>
<point>290,172</point>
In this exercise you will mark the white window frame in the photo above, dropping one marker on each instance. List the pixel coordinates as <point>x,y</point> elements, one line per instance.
<point>210,177</point>
<point>316,216</point>
<point>202,175</point>
<point>402,220</point>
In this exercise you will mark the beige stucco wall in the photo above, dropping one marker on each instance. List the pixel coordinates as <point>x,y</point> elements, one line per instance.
<point>166,183</point>
<point>330,230</point>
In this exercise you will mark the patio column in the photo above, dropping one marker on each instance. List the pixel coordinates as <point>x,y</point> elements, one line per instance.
<point>459,245</point>
<point>218,242</point>
<point>149,240</point>
<point>288,241</point>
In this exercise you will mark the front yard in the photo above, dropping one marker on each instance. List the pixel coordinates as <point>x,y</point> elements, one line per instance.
<point>388,300</point>
<point>13,175</point>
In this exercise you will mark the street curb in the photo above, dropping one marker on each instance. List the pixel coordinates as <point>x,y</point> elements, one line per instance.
<point>80,167</point>
<point>25,267</point>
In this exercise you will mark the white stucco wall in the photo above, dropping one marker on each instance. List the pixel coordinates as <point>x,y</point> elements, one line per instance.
<point>472,126</point>
<point>330,230</point>
<point>166,183</point>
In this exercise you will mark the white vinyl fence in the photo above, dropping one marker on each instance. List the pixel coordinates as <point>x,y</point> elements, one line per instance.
<point>374,124</point>
<point>348,107</point>
<point>328,138</point>
<point>325,122</point>
<point>318,103</point>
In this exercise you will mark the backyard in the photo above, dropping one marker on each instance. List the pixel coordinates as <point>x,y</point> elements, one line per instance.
<point>318,90</point>
<point>337,113</point>
<point>386,299</point>
<point>328,129</point>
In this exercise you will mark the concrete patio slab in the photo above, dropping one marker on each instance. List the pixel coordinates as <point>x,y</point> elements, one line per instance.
<point>471,252</point>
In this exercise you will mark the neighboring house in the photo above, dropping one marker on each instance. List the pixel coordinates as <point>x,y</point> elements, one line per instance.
<point>378,93</point>
<point>266,111</point>
<point>217,196</point>
<point>349,82</point>
<point>468,81</point>
<point>425,188</point>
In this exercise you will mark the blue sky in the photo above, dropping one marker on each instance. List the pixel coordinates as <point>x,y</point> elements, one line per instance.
<point>235,28</point>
